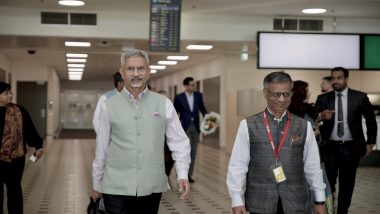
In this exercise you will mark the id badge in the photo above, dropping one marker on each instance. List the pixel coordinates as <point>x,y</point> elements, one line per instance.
<point>278,172</point>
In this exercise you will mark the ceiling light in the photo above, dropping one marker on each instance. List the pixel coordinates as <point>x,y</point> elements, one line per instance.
<point>177,57</point>
<point>75,72</point>
<point>167,62</point>
<point>75,77</point>
<point>153,71</point>
<point>71,2</point>
<point>314,10</point>
<point>199,47</point>
<point>75,65</point>
<point>75,69</point>
<point>157,67</point>
<point>77,44</point>
<point>76,60</point>
<point>74,55</point>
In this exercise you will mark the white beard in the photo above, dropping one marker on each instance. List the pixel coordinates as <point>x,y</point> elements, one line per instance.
<point>137,85</point>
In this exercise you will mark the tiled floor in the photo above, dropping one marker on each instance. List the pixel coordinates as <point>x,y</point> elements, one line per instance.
<point>61,182</point>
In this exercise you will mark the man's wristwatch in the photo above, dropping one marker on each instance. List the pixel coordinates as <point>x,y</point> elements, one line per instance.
<point>319,202</point>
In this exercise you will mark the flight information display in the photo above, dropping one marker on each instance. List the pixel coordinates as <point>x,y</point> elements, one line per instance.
<point>165,25</point>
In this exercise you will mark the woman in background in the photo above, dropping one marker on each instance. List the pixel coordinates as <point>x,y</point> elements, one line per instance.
<point>299,106</point>
<point>17,130</point>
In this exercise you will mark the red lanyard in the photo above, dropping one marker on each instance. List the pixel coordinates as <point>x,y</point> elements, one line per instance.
<point>276,153</point>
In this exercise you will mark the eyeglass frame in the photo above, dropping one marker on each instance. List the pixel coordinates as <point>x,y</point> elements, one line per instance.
<point>278,94</point>
<point>140,69</point>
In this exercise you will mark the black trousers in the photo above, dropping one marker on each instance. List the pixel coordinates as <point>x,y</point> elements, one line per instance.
<point>341,161</point>
<point>122,204</point>
<point>11,175</point>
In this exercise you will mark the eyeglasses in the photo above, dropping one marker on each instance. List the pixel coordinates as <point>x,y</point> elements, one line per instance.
<point>140,69</point>
<point>278,94</point>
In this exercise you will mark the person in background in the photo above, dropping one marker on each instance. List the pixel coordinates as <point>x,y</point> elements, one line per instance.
<point>128,170</point>
<point>274,157</point>
<point>119,85</point>
<point>342,111</point>
<point>169,162</point>
<point>300,105</point>
<point>326,84</point>
<point>18,132</point>
<point>188,105</point>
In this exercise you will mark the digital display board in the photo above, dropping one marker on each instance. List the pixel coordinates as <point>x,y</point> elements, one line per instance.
<point>165,20</point>
<point>371,52</point>
<point>308,50</point>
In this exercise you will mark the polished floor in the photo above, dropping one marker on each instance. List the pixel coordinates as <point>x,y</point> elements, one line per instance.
<point>60,183</point>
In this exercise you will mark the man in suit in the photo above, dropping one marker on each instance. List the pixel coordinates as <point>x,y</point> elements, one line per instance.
<point>342,133</point>
<point>188,105</point>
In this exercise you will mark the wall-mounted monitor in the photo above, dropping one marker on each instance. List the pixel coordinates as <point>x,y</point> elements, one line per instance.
<point>370,52</point>
<point>307,50</point>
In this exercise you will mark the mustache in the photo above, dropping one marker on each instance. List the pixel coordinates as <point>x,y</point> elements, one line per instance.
<point>136,78</point>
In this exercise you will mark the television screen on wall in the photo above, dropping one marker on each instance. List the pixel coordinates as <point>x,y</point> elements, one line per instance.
<point>307,50</point>
<point>371,52</point>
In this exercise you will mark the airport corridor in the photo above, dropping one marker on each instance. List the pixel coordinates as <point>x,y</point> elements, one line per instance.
<point>60,183</point>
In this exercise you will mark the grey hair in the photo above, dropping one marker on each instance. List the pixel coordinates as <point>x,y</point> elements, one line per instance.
<point>277,77</point>
<point>134,53</point>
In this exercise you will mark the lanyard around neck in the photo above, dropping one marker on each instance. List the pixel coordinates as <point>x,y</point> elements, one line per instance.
<point>276,153</point>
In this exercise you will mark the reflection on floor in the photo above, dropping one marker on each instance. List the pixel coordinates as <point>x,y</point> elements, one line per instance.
<point>77,134</point>
<point>61,182</point>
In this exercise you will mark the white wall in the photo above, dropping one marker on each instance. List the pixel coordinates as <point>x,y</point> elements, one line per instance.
<point>5,64</point>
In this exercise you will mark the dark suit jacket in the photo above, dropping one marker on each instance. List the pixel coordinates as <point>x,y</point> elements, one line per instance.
<point>358,105</point>
<point>185,115</point>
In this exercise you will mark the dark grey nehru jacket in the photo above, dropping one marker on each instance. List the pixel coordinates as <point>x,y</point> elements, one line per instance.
<point>262,191</point>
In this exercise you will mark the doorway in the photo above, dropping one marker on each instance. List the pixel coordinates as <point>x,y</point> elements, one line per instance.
<point>32,96</point>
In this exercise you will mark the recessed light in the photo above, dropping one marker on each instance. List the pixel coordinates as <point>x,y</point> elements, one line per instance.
<point>75,72</point>
<point>199,47</point>
<point>75,69</point>
<point>167,62</point>
<point>76,60</point>
<point>71,2</point>
<point>157,67</point>
<point>153,71</point>
<point>314,11</point>
<point>75,65</point>
<point>75,55</point>
<point>75,76</point>
<point>77,44</point>
<point>177,57</point>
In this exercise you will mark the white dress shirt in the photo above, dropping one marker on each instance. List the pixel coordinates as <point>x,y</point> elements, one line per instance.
<point>96,117</point>
<point>176,138</point>
<point>190,100</point>
<point>240,158</point>
<point>347,133</point>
